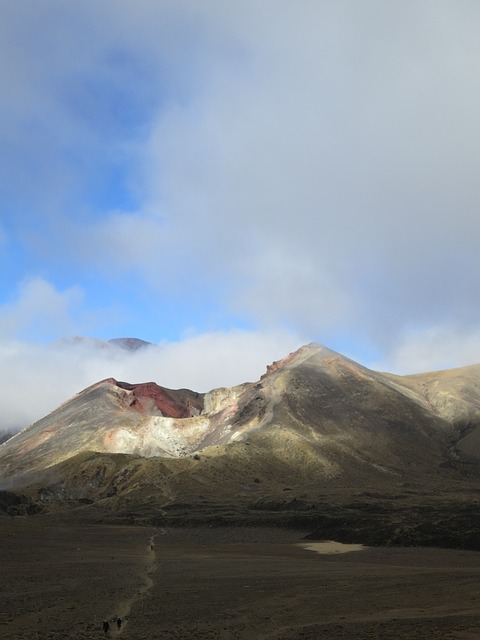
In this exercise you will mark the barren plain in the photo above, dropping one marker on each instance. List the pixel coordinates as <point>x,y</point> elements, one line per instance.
<point>60,581</point>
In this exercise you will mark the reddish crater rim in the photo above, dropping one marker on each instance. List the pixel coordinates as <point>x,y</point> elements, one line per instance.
<point>181,403</point>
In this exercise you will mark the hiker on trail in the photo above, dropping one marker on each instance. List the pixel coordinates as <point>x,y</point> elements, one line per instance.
<point>106,627</point>
<point>119,622</point>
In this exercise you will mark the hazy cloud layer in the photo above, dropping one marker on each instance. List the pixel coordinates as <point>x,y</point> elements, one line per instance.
<point>39,304</point>
<point>305,168</point>
<point>432,349</point>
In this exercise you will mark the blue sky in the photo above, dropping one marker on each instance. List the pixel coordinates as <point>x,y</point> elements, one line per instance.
<point>213,177</point>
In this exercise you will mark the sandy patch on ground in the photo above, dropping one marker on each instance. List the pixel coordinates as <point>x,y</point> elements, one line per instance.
<point>331,546</point>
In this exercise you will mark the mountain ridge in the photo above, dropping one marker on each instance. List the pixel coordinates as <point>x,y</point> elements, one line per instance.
<point>224,415</point>
<point>315,424</point>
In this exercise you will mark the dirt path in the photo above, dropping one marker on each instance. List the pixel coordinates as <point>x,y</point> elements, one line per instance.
<point>125,607</point>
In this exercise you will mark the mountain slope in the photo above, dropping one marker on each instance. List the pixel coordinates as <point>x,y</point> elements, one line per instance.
<point>453,395</point>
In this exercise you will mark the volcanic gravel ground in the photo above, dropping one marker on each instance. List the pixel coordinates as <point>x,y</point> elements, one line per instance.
<point>61,581</point>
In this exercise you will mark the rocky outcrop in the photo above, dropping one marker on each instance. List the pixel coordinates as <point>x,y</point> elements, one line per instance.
<point>12,504</point>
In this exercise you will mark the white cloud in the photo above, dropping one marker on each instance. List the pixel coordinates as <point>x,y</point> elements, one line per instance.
<point>433,349</point>
<point>324,167</point>
<point>41,310</point>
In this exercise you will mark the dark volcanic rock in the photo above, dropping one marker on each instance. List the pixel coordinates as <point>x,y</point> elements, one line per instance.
<point>12,504</point>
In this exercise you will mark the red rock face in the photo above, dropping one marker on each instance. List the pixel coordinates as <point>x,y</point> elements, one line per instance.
<point>278,364</point>
<point>149,396</point>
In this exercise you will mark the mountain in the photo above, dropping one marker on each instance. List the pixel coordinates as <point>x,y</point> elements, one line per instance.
<point>127,344</point>
<point>319,441</point>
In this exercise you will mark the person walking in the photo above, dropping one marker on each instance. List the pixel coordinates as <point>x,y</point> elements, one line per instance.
<point>106,627</point>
